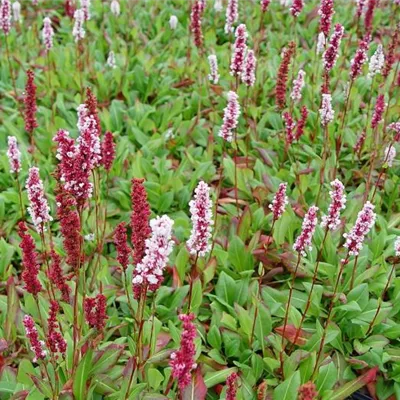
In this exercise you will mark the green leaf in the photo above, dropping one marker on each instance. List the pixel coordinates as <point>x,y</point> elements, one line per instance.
<point>239,256</point>
<point>82,375</point>
<point>288,389</point>
<point>327,376</point>
<point>213,378</point>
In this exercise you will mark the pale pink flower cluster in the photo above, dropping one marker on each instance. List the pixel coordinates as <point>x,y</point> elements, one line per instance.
<point>14,155</point>
<point>298,85</point>
<point>213,62</point>
<point>332,52</point>
<point>397,246</point>
<point>115,7</point>
<point>5,16</point>
<point>33,336</point>
<point>89,142</point>
<point>111,60</point>
<point>304,240</point>
<point>85,7</point>
<point>249,69</point>
<point>376,62</point>
<point>16,6</point>
<point>390,154</point>
<point>78,31</point>
<point>365,221</point>
<point>321,42</point>
<point>326,111</point>
<point>279,202</point>
<point>338,203</point>
<point>47,34</point>
<point>38,209</point>
<point>201,211</point>
<point>239,50</point>
<point>360,57</point>
<point>395,126</point>
<point>149,273</point>
<point>232,15</point>
<point>231,117</point>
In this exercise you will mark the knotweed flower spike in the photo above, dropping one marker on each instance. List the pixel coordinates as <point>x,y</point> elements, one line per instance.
<point>395,127</point>
<point>290,125</point>
<point>78,32</point>
<point>249,70</point>
<point>326,111</point>
<point>360,57</point>
<point>360,7</point>
<point>38,208</point>
<point>376,62</point>
<point>96,311</point>
<point>47,34</point>
<point>279,202</point>
<point>390,154</point>
<point>365,221</point>
<point>360,142</point>
<point>85,7</point>
<point>298,85</point>
<point>69,8</point>
<point>149,273</point>
<point>5,16</point>
<point>369,15</point>
<point>281,80</point>
<point>111,60</point>
<point>139,219</point>
<point>14,155</point>
<point>332,52</point>
<point>29,261</point>
<point>55,341</point>
<point>30,102</point>
<point>308,391</point>
<point>301,123</point>
<point>296,7</point>
<point>16,6</point>
<point>121,244</point>
<point>321,43</point>
<point>303,241</point>
<point>232,15</point>
<point>213,75</point>
<point>239,50</point>
<point>390,58</point>
<point>231,386</point>
<point>326,12</point>
<point>107,151</point>
<point>231,117</point>
<point>195,22</point>
<point>37,346</point>
<point>173,22</point>
<point>380,106</point>
<point>338,203</point>
<point>202,222</point>
<point>264,5</point>
<point>182,361</point>
<point>70,227</point>
<point>57,277</point>
<point>397,246</point>
<point>115,7</point>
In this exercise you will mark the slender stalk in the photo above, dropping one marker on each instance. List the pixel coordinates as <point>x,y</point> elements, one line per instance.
<point>353,273</point>
<point>21,204</point>
<point>287,314</point>
<point>193,270</point>
<point>314,280</point>
<point>329,317</point>
<point>10,66</point>
<point>371,324</point>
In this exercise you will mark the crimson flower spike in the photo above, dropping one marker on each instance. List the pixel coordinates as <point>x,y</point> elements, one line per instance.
<point>325,12</point>
<point>195,22</point>
<point>121,243</point>
<point>281,80</point>
<point>107,151</point>
<point>30,104</point>
<point>239,51</point>
<point>37,346</point>
<point>232,15</point>
<point>332,52</point>
<point>231,386</point>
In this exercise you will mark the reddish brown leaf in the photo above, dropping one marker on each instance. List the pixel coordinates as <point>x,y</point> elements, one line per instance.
<point>290,334</point>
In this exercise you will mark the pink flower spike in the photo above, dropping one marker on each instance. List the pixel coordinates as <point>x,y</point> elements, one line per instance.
<point>14,155</point>
<point>365,221</point>
<point>195,22</point>
<point>298,85</point>
<point>231,386</point>
<point>85,6</point>
<point>279,202</point>
<point>296,7</point>
<point>214,75</point>
<point>360,57</point>
<point>380,106</point>
<point>290,125</point>
<point>390,155</point>
<point>5,16</point>
<point>397,246</point>
<point>332,52</point>
<point>338,203</point>
<point>107,151</point>
<point>39,208</point>
<point>182,361</point>
<point>232,15</point>
<point>149,273</point>
<point>264,5</point>
<point>55,341</point>
<point>201,210</point>
<point>121,243</point>
<point>249,69</point>
<point>239,50</point>
<point>231,117</point>
<point>326,12</point>
<point>78,32</point>
<point>47,34</point>
<point>308,391</point>
<point>303,241</point>
<point>326,111</point>
<point>395,126</point>
<point>33,336</point>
